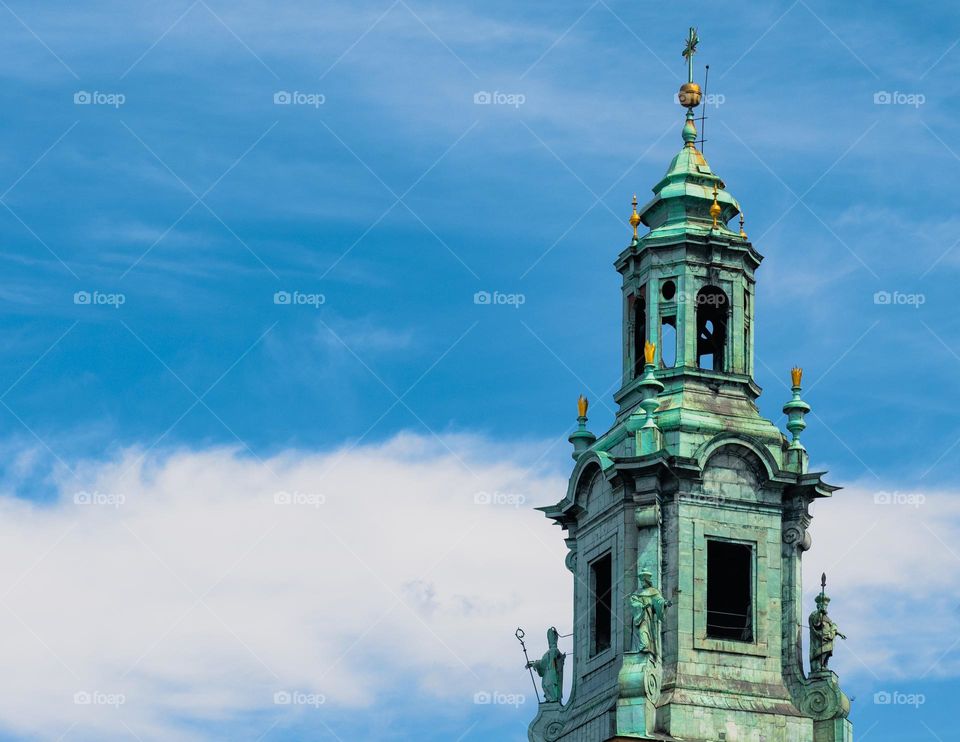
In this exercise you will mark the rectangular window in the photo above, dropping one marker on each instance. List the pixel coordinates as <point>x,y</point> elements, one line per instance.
<point>729,590</point>
<point>601,587</point>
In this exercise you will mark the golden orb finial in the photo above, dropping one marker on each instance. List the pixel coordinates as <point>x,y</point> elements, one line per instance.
<point>582,406</point>
<point>742,233</point>
<point>796,375</point>
<point>715,207</point>
<point>634,217</point>
<point>649,351</point>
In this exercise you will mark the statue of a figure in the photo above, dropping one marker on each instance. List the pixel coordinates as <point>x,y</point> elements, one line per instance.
<point>823,632</point>
<point>648,605</point>
<point>550,668</point>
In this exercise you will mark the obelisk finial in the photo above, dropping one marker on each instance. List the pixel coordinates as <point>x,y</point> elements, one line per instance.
<point>634,218</point>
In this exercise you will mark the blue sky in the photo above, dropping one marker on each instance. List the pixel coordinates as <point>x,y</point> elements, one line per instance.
<point>388,197</point>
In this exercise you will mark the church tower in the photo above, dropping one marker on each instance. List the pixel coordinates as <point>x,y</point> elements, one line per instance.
<point>686,522</point>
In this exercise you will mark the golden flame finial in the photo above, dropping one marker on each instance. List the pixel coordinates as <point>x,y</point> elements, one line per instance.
<point>715,207</point>
<point>796,375</point>
<point>634,217</point>
<point>742,233</point>
<point>582,405</point>
<point>649,350</point>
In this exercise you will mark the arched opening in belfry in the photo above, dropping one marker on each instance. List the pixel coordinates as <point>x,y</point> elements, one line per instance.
<point>639,329</point>
<point>712,311</point>
<point>668,341</point>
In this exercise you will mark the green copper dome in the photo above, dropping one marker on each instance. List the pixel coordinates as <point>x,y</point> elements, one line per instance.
<point>682,199</point>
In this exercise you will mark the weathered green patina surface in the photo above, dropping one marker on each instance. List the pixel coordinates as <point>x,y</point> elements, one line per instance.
<point>690,513</point>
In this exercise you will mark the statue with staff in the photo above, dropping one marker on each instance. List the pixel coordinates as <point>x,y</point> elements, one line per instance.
<point>549,667</point>
<point>823,631</point>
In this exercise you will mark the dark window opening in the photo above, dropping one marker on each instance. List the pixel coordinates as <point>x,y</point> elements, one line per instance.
<point>668,290</point>
<point>729,591</point>
<point>639,331</point>
<point>712,308</point>
<point>601,584</point>
<point>668,342</point>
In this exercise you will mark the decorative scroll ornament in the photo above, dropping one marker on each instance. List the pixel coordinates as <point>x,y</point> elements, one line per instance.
<point>795,535</point>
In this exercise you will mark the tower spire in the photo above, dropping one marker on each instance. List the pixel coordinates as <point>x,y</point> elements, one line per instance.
<point>689,94</point>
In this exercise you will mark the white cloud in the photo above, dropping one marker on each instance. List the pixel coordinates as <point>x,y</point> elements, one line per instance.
<point>199,597</point>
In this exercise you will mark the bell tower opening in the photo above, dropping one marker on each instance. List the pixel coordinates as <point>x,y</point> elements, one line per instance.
<point>712,310</point>
<point>639,330</point>
<point>668,341</point>
<point>729,590</point>
<point>601,588</point>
